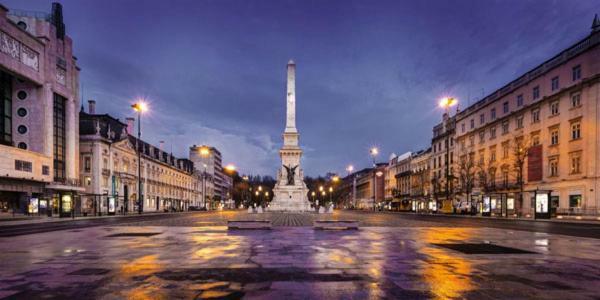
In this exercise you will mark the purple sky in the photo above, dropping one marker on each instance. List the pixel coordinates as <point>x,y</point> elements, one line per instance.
<point>368,72</point>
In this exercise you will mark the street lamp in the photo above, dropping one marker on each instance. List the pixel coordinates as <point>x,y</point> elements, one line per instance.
<point>374,151</point>
<point>446,103</point>
<point>350,169</point>
<point>204,153</point>
<point>139,107</point>
<point>330,193</point>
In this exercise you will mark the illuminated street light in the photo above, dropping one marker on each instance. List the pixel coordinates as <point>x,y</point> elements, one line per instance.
<point>350,168</point>
<point>139,107</point>
<point>335,178</point>
<point>448,102</point>
<point>321,188</point>
<point>230,168</point>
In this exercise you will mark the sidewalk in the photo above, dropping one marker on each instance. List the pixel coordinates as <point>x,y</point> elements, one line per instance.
<point>24,219</point>
<point>563,219</point>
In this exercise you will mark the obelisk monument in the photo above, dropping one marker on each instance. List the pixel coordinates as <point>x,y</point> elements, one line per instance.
<point>290,192</point>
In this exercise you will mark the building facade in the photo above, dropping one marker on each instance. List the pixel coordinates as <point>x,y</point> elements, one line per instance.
<point>443,178</point>
<point>109,170</point>
<point>537,135</point>
<point>39,80</point>
<point>420,181</point>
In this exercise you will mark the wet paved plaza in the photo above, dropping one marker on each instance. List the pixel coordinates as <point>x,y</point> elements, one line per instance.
<point>191,259</point>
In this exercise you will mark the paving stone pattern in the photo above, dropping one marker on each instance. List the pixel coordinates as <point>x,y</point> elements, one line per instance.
<point>189,262</point>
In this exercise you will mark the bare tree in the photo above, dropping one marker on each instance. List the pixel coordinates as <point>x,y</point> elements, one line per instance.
<point>520,152</point>
<point>466,173</point>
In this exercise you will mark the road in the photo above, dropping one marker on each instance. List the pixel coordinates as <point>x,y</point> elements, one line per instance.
<point>366,219</point>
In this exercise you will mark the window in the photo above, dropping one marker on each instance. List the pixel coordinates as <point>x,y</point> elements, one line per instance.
<point>493,132</point>
<point>482,137</point>
<point>554,83</point>
<point>5,109</point>
<point>536,92</point>
<point>462,127</point>
<point>22,129</point>
<point>481,157</point>
<point>505,149</point>
<point>22,25</point>
<point>481,119</point>
<point>22,95</point>
<point>535,115</point>
<point>554,136</point>
<point>554,108</point>
<point>576,130</point>
<point>472,140</point>
<point>576,100</point>
<point>575,201</point>
<point>505,176</point>
<point>520,100</point>
<point>45,170</point>
<point>472,123</point>
<point>59,139</point>
<point>22,145</point>
<point>519,122</point>
<point>535,139</point>
<point>505,107</point>
<point>576,72</point>
<point>553,166</point>
<point>493,113</point>
<point>505,127</point>
<point>88,180</point>
<point>575,162</point>
<point>21,112</point>
<point>492,154</point>
<point>87,164</point>
<point>21,165</point>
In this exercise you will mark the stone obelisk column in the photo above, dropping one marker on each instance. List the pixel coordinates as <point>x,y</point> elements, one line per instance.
<point>290,192</point>
<point>290,122</point>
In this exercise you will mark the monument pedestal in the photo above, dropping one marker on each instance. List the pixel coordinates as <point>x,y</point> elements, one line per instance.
<point>290,198</point>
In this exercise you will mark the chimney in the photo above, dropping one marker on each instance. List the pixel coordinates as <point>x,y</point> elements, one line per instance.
<point>161,145</point>
<point>130,125</point>
<point>92,107</point>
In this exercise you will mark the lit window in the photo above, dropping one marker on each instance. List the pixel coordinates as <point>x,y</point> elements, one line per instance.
<point>575,201</point>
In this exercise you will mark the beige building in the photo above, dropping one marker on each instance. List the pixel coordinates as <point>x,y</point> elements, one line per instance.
<point>542,129</point>
<point>443,177</point>
<point>39,80</point>
<point>420,181</point>
<point>109,170</point>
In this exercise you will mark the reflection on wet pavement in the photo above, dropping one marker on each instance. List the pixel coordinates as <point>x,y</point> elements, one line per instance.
<point>295,263</point>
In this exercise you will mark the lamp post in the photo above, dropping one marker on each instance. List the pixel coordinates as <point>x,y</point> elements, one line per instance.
<point>374,151</point>
<point>446,103</point>
<point>350,169</point>
<point>330,193</point>
<point>204,153</point>
<point>139,107</point>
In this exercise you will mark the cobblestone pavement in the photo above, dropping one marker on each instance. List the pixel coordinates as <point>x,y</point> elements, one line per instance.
<point>220,218</point>
<point>160,262</point>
